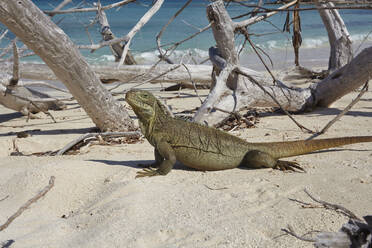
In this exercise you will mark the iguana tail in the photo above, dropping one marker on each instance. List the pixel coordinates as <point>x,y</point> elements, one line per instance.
<point>295,148</point>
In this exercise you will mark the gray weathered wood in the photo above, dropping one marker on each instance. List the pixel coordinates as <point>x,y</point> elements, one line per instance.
<point>200,73</point>
<point>25,100</point>
<point>246,93</point>
<point>339,38</point>
<point>107,34</point>
<point>48,41</point>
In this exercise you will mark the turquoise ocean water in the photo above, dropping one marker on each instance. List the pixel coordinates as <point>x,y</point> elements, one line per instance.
<point>269,36</point>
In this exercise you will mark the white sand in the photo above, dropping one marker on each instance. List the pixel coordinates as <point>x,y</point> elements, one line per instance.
<point>105,206</point>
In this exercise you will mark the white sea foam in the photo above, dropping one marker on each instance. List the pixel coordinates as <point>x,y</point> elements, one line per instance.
<point>361,37</point>
<point>314,42</point>
<point>186,56</point>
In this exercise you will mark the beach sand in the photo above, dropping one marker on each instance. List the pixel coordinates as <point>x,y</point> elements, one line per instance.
<point>97,202</point>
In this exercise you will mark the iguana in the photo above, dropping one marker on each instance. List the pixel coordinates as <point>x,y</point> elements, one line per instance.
<point>206,148</point>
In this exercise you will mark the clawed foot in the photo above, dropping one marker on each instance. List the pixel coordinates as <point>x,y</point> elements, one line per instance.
<point>288,166</point>
<point>148,172</point>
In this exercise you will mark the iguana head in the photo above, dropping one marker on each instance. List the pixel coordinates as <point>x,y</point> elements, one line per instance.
<point>144,104</point>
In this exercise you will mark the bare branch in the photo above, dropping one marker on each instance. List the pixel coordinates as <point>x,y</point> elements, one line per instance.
<point>28,203</point>
<point>59,7</point>
<point>343,112</point>
<point>166,25</point>
<point>290,231</point>
<point>110,6</point>
<point>104,43</point>
<point>193,83</point>
<point>89,135</point>
<point>6,197</point>
<point>333,206</point>
<point>3,34</point>
<point>258,18</point>
<point>145,18</point>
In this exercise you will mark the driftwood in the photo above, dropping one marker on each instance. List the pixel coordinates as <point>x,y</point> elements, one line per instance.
<point>48,41</point>
<point>29,101</point>
<point>200,73</point>
<point>107,34</point>
<point>353,234</point>
<point>23,99</point>
<point>82,138</point>
<point>356,233</point>
<point>231,92</point>
<point>338,35</point>
<point>144,19</point>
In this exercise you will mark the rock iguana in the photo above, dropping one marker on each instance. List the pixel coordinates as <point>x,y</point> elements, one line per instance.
<point>206,148</point>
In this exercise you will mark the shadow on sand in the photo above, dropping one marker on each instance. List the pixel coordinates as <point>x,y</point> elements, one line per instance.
<point>138,164</point>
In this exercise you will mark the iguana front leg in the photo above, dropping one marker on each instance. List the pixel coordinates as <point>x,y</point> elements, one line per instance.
<point>157,162</point>
<point>257,159</point>
<point>166,156</point>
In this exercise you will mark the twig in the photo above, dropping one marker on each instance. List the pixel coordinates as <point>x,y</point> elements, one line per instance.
<point>268,11</point>
<point>89,135</point>
<point>28,203</point>
<point>163,56</point>
<point>148,80</point>
<point>60,6</point>
<point>215,188</point>
<point>291,232</point>
<point>6,197</point>
<point>246,35</point>
<point>338,117</point>
<point>335,207</point>
<point>258,18</point>
<point>3,34</point>
<point>193,83</point>
<point>110,6</point>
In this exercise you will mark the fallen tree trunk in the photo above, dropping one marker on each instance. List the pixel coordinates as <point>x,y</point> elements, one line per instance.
<point>25,100</point>
<point>49,42</point>
<point>200,73</point>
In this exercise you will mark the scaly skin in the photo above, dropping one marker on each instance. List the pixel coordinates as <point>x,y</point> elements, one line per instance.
<point>206,148</point>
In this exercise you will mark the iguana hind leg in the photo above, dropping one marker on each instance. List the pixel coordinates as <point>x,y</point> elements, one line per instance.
<point>288,166</point>
<point>168,159</point>
<point>257,159</point>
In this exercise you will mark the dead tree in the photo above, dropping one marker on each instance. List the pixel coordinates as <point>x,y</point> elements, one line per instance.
<point>233,91</point>
<point>117,48</point>
<point>21,98</point>
<point>48,41</point>
<point>339,38</point>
